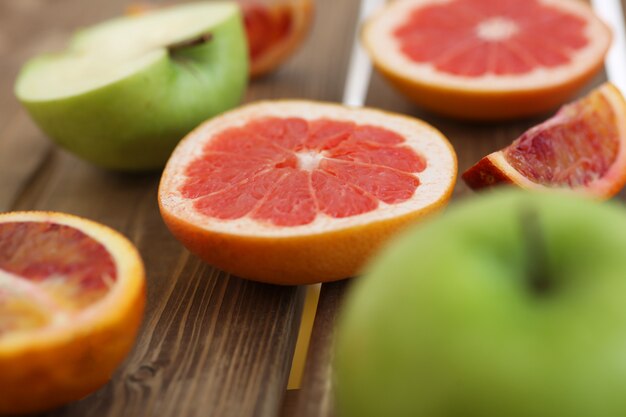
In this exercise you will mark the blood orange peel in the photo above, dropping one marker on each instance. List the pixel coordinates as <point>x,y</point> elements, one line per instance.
<point>295,192</point>
<point>487,60</point>
<point>72,294</point>
<point>582,148</point>
<point>274,29</point>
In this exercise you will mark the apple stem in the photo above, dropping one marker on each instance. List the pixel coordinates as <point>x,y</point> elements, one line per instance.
<point>188,43</point>
<point>537,270</point>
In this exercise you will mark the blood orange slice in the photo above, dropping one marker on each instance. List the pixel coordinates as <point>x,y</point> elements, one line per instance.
<point>294,192</point>
<point>583,147</point>
<point>71,301</point>
<point>275,28</point>
<point>486,59</point>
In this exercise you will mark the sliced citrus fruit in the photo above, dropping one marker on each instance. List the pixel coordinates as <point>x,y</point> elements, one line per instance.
<point>72,294</point>
<point>274,28</point>
<point>295,192</point>
<point>582,147</point>
<point>486,59</point>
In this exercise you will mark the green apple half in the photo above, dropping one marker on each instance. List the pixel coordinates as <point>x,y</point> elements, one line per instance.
<point>127,90</point>
<point>509,305</point>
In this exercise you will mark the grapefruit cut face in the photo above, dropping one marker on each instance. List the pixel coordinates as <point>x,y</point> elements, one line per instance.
<point>580,148</point>
<point>294,169</point>
<point>481,49</point>
<point>65,283</point>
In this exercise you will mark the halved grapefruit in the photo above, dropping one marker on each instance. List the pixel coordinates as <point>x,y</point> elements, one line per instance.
<point>295,192</point>
<point>274,28</point>
<point>487,59</point>
<point>72,294</point>
<point>582,148</point>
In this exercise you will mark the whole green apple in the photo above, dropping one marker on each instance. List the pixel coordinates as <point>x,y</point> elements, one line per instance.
<point>127,90</point>
<point>510,305</point>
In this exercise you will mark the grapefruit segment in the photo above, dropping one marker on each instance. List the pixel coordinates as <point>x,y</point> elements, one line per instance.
<point>484,59</point>
<point>327,134</point>
<point>339,183</point>
<point>70,289</point>
<point>240,199</point>
<point>221,172</point>
<point>290,202</point>
<point>387,185</point>
<point>339,199</point>
<point>580,148</point>
<point>289,133</point>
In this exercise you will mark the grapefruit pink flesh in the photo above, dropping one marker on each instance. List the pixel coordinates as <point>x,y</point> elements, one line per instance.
<point>47,269</point>
<point>287,171</point>
<point>474,38</point>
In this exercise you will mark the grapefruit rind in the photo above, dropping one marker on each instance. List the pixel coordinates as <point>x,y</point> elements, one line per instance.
<point>485,97</point>
<point>327,249</point>
<point>56,362</point>
<point>494,169</point>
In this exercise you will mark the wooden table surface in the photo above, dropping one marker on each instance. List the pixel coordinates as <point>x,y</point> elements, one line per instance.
<point>210,344</point>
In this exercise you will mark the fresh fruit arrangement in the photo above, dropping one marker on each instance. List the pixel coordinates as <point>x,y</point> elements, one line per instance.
<point>510,304</point>
<point>580,148</point>
<point>72,294</point>
<point>126,91</point>
<point>295,192</point>
<point>485,59</point>
<point>274,29</point>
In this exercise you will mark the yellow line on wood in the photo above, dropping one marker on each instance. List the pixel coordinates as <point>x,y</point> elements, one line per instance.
<point>304,336</point>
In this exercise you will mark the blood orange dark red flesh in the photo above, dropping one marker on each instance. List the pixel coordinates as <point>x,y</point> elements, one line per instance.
<point>580,148</point>
<point>70,289</point>
<point>487,59</point>
<point>275,28</point>
<point>293,191</point>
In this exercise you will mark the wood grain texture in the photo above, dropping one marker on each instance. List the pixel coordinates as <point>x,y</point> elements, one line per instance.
<point>211,344</point>
<point>472,141</point>
<point>315,398</point>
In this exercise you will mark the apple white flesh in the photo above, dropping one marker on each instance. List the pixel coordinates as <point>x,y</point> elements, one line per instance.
<point>513,304</point>
<point>127,90</point>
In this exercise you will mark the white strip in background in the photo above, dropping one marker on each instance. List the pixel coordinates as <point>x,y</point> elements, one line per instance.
<point>360,68</point>
<point>612,13</point>
<point>355,93</point>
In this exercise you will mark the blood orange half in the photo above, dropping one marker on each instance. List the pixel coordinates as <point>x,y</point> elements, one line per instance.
<point>583,148</point>
<point>275,28</point>
<point>487,59</point>
<point>72,294</point>
<point>295,192</point>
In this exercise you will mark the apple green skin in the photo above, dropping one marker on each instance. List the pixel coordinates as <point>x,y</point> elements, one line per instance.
<point>446,323</point>
<point>135,123</point>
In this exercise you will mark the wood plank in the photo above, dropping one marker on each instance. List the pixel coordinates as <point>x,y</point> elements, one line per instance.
<point>472,141</point>
<point>315,399</point>
<point>211,344</point>
<point>24,32</point>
